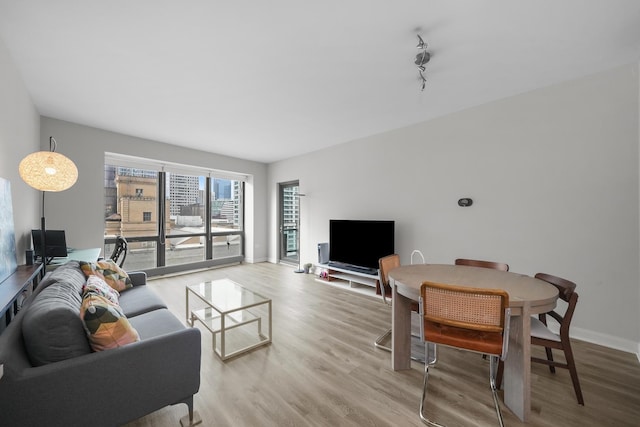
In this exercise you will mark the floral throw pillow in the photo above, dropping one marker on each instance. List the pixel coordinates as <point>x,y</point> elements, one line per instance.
<point>110,272</point>
<point>106,326</point>
<point>98,286</point>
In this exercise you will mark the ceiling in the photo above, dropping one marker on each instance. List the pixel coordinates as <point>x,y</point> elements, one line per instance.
<point>269,80</point>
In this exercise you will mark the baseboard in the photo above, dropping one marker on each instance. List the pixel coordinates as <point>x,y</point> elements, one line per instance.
<point>606,340</point>
<point>255,260</point>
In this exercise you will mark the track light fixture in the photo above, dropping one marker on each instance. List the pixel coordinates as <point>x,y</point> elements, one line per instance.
<point>421,59</point>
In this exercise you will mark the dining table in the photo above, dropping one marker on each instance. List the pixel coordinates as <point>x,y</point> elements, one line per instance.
<point>527,296</point>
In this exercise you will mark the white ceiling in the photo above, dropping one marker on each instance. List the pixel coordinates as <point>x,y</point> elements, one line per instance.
<point>270,79</point>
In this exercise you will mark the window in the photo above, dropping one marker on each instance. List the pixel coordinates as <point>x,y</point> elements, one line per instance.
<point>126,213</point>
<point>183,226</point>
<point>186,236</point>
<point>226,215</point>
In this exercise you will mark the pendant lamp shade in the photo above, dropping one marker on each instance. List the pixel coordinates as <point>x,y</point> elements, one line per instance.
<point>48,171</point>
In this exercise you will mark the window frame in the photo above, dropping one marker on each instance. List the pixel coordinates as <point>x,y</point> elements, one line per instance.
<point>159,240</point>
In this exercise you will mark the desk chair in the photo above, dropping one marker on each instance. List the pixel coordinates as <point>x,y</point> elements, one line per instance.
<point>470,319</point>
<point>386,264</point>
<point>484,264</point>
<point>543,336</point>
<point>119,251</point>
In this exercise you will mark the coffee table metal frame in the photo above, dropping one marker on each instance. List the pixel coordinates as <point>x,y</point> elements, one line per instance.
<point>221,315</point>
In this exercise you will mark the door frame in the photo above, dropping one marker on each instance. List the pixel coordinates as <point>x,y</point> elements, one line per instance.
<point>285,254</point>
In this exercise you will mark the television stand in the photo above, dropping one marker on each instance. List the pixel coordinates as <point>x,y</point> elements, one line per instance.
<point>352,277</point>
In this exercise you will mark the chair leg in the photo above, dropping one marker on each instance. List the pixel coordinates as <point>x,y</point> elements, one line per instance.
<point>431,361</point>
<point>499,374</point>
<point>550,359</point>
<point>425,383</point>
<point>571,365</point>
<point>382,338</point>
<point>493,368</point>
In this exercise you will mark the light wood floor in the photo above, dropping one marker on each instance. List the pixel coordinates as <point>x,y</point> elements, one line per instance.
<point>323,370</point>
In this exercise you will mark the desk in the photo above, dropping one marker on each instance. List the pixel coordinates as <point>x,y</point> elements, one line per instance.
<point>87,255</point>
<point>527,296</point>
<point>15,285</point>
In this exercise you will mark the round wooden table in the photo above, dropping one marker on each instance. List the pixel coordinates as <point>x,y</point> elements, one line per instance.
<point>527,296</point>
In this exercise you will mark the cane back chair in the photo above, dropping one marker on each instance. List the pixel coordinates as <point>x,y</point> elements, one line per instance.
<point>467,318</point>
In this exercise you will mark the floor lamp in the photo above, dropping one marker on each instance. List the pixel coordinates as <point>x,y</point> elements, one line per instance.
<point>299,270</point>
<point>47,171</point>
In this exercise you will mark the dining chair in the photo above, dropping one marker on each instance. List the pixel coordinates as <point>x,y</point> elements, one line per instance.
<point>386,264</point>
<point>417,253</point>
<point>119,253</point>
<point>469,319</point>
<point>484,264</point>
<point>543,336</point>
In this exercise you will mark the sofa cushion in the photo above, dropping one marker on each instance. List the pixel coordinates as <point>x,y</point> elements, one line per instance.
<point>139,299</point>
<point>110,272</point>
<point>156,323</point>
<point>106,326</point>
<point>51,327</point>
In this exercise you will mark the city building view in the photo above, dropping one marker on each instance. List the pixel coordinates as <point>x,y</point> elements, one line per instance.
<point>290,221</point>
<point>132,210</point>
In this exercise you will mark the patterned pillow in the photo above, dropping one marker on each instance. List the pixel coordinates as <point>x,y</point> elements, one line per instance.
<point>97,286</point>
<point>106,325</point>
<point>109,271</point>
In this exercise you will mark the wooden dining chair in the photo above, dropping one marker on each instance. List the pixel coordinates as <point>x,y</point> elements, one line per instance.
<point>386,264</point>
<point>484,264</point>
<point>541,335</point>
<point>466,318</point>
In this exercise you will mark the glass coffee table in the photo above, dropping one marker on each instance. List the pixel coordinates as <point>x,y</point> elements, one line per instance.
<point>233,313</point>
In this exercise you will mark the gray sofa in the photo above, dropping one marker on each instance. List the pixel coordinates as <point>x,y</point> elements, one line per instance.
<point>53,378</point>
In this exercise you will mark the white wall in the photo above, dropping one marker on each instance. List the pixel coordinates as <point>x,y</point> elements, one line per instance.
<point>554,178</point>
<point>80,210</point>
<point>19,136</point>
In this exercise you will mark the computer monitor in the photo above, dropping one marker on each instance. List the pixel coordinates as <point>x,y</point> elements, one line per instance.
<point>54,239</point>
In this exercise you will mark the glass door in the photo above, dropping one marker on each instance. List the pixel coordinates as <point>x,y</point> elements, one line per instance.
<point>289,206</point>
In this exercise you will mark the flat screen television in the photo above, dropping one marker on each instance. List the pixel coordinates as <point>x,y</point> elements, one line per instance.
<point>360,243</point>
<point>55,240</point>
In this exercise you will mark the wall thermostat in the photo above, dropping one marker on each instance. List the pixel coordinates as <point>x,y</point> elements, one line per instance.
<point>465,202</point>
